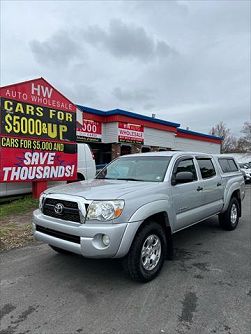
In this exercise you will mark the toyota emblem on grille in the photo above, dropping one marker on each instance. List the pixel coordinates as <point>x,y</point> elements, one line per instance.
<point>58,208</point>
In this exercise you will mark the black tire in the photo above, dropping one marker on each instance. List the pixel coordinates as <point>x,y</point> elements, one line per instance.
<point>133,262</point>
<point>227,220</point>
<point>60,250</point>
<point>80,177</point>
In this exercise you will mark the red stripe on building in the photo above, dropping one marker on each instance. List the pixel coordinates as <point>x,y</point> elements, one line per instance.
<point>93,117</point>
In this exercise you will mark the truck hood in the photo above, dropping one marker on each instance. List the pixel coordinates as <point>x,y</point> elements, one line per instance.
<point>101,189</point>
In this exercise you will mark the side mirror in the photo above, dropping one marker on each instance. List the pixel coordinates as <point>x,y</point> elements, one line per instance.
<point>182,177</point>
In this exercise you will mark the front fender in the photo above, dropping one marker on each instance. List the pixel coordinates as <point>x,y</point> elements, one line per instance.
<point>138,218</point>
<point>150,209</point>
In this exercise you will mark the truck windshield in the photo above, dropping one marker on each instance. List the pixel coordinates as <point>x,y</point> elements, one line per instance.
<point>136,168</point>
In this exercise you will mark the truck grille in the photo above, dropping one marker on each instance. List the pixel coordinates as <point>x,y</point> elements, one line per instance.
<point>58,234</point>
<point>69,211</point>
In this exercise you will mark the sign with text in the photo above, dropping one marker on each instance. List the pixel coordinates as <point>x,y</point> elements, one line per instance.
<point>37,133</point>
<point>90,131</point>
<point>38,92</point>
<point>29,165</point>
<point>29,120</point>
<point>130,133</point>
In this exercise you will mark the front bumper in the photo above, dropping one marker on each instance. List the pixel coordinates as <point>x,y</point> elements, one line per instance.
<point>90,236</point>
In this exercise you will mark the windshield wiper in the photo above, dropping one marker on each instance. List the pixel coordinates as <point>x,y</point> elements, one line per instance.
<point>105,178</point>
<point>118,178</point>
<point>128,179</point>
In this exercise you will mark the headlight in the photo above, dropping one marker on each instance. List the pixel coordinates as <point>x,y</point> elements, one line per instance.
<point>41,201</point>
<point>105,210</point>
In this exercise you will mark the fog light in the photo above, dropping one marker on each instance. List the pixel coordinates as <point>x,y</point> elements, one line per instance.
<point>105,239</point>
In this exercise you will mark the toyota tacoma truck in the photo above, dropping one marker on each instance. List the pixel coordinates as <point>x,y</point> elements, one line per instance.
<point>136,203</point>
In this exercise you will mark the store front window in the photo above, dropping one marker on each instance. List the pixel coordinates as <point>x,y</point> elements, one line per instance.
<point>125,149</point>
<point>145,149</point>
<point>102,153</point>
<point>161,149</point>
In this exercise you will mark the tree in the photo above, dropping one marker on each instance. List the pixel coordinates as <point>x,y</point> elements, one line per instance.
<point>229,142</point>
<point>244,142</point>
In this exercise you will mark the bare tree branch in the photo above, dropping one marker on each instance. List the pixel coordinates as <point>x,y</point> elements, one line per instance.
<point>229,142</point>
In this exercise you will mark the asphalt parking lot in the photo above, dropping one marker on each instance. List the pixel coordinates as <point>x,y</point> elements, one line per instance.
<point>205,289</point>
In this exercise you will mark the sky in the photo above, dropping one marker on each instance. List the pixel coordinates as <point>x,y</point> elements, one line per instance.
<point>185,61</point>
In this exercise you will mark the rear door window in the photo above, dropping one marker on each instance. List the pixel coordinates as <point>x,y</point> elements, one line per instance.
<point>206,168</point>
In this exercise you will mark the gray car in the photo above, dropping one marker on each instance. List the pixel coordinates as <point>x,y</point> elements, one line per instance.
<point>246,171</point>
<point>136,203</point>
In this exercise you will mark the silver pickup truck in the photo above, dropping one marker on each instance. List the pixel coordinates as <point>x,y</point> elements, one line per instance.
<point>136,203</point>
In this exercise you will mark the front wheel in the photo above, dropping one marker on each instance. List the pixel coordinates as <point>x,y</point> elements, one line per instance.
<point>148,251</point>
<point>230,218</point>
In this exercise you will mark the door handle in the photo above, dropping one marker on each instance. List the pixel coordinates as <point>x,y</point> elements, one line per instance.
<point>218,184</point>
<point>199,188</point>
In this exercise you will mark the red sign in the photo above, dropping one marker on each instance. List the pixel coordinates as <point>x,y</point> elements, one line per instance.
<point>38,92</point>
<point>130,133</point>
<point>29,165</point>
<point>37,133</point>
<point>90,131</point>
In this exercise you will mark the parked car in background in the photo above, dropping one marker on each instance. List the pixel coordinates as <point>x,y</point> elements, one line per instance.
<point>246,171</point>
<point>86,163</point>
<point>86,171</point>
<point>136,203</point>
<point>244,175</point>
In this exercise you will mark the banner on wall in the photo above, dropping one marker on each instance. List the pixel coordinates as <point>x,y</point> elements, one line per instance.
<point>37,133</point>
<point>89,131</point>
<point>130,133</point>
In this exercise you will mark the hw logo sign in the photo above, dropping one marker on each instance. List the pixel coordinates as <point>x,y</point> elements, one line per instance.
<point>40,90</point>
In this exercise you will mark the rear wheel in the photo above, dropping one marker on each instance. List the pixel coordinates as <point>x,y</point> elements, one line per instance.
<point>148,251</point>
<point>80,177</point>
<point>60,250</point>
<point>230,218</point>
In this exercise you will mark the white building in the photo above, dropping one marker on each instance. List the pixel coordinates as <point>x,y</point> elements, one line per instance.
<point>118,132</point>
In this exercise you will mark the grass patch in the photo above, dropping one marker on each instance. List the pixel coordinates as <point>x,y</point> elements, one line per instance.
<point>15,222</point>
<point>13,235</point>
<point>18,206</point>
